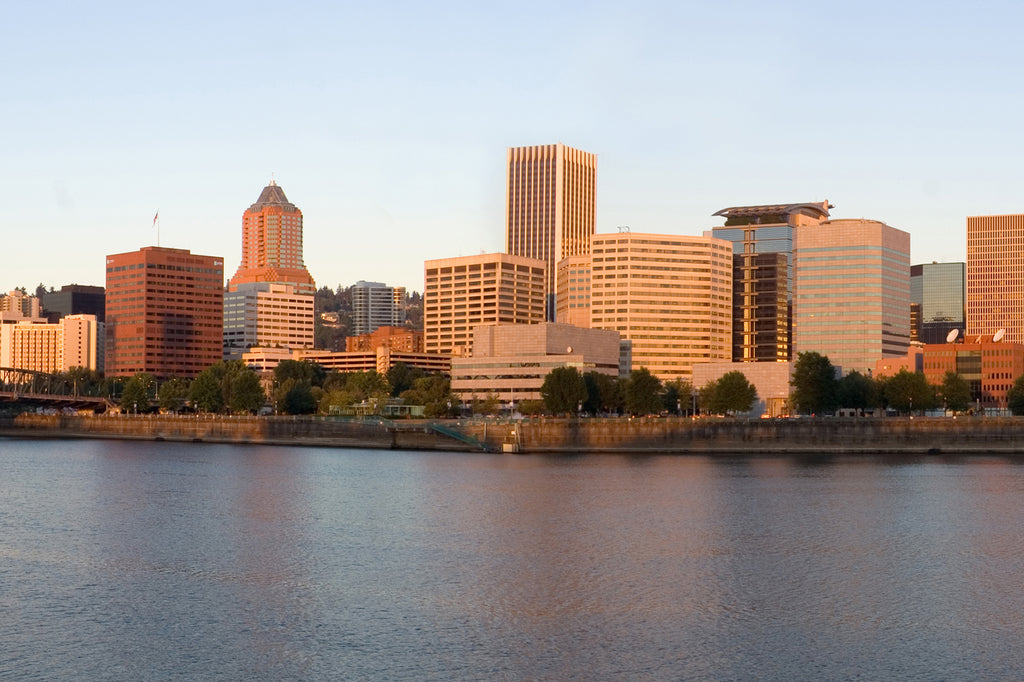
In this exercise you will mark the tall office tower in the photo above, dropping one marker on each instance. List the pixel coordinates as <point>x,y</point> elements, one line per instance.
<point>937,301</point>
<point>374,304</point>
<point>165,312</point>
<point>851,292</point>
<point>462,293</point>
<point>272,243</point>
<point>995,276</point>
<point>267,315</point>
<point>762,284</point>
<point>572,298</point>
<point>669,295</point>
<point>75,299</point>
<point>549,207</point>
<point>270,299</point>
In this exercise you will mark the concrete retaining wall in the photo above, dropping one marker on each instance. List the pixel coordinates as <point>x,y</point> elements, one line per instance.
<point>768,436</point>
<point>683,436</point>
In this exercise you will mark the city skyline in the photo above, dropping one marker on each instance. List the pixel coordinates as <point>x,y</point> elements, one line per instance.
<point>393,121</point>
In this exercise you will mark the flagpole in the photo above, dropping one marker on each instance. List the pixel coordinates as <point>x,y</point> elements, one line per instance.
<point>156,224</point>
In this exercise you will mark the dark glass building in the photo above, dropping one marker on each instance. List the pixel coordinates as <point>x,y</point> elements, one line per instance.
<point>937,299</point>
<point>75,299</point>
<point>762,238</point>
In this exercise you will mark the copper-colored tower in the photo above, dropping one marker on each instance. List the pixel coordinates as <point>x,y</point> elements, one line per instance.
<point>272,243</point>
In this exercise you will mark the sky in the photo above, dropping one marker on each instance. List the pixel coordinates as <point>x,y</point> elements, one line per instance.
<point>387,123</point>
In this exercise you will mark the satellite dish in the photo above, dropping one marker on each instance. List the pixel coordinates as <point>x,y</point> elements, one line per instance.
<point>999,335</point>
<point>951,336</point>
<point>568,349</point>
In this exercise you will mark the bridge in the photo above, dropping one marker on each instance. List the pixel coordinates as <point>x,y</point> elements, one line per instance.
<point>45,390</point>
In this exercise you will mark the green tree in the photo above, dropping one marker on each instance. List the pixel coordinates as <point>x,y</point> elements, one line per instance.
<point>678,396</point>
<point>172,394</point>
<point>303,371</point>
<point>643,392</point>
<point>563,390</point>
<point>137,393</point>
<point>227,385</point>
<point>955,391</point>
<point>434,393</point>
<point>730,394</point>
<point>814,383</point>
<point>205,391</point>
<point>490,405</point>
<point>530,408</point>
<point>401,376</point>
<point>82,381</point>
<point>297,398</point>
<point>857,391</point>
<point>909,391</point>
<point>246,391</point>
<point>1015,396</point>
<point>604,393</point>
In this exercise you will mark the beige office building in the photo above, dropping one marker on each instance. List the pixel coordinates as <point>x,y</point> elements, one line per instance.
<point>461,293</point>
<point>380,359</point>
<point>511,361</point>
<point>995,276</point>
<point>851,292</point>
<point>73,341</point>
<point>572,298</point>
<point>669,295</point>
<point>266,314</point>
<point>770,379</point>
<point>550,207</point>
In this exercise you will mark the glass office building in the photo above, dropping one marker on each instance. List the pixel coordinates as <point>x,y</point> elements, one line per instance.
<point>937,297</point>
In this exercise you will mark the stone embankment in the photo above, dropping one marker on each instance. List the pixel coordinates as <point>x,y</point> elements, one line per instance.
<point>221,429</point>
<point>830,436</point>
<point>920,436</point>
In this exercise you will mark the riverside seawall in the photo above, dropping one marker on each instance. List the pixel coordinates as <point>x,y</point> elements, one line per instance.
<point>318,431</point>
<point>825,436</point>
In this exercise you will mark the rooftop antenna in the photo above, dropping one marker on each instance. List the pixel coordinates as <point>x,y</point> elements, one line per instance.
<point>156,224</point>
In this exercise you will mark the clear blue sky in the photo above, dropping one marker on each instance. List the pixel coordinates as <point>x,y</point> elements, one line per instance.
<point>387,123</point>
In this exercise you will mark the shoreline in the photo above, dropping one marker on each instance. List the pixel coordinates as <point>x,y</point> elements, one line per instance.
<point>918,437</point>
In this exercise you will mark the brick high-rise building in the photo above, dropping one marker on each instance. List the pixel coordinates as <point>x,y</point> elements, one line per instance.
<point>272,243</point>
<point>549,207</point>
<point>165,312</point>
<point>995,276</point>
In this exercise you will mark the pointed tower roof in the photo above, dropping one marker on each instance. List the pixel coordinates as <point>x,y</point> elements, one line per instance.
<point>272,195</point>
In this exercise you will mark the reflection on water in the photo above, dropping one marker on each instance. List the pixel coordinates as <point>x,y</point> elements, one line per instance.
<point>162,561</point>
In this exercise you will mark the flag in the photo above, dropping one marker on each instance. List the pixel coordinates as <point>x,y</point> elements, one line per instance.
<point>155,217</point>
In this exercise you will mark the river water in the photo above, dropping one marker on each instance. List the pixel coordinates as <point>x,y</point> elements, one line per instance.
<point>135,561</point>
